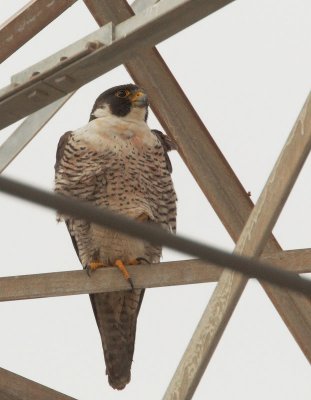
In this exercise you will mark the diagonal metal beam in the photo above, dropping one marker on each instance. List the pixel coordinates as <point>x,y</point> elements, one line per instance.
<point>251,243</point>
<point>140,5</point>
<point>205,161</point>
<point>144,276</point>
<point>16,387</point>
<point>27,131</point>
<point>27,22</point>
<point>145,29</point>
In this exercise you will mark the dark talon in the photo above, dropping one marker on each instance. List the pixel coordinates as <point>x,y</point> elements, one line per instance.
<point>89,271</point>
<point>131,283</point>
<point>142,259</point>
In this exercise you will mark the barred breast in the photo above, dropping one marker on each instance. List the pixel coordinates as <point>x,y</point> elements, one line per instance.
<point>127,173</point>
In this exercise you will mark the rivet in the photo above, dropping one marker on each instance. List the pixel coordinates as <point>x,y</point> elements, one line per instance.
<point>94,45</point>
<point>62,79</point>
<point>37,94</point>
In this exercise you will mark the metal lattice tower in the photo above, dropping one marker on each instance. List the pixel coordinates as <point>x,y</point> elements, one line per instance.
<point>41,90</point>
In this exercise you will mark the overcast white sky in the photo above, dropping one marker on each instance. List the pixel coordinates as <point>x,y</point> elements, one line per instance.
<point>246,70</point>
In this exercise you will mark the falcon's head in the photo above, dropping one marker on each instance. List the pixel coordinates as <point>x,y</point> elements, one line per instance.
<point>121,101</point>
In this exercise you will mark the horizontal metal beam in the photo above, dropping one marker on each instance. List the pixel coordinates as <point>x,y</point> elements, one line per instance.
<point>155,235</point>
<point>27,22</point>
<point>251,243</point>
<point>204,159</point>
<point>27,131</point>
<point>16,387</point>
<point>298,261</point>
<point>106,280</point>
<point>171,273</point>
<point>145,29</point>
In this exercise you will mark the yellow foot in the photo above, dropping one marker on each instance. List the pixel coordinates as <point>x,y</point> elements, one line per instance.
<point>119,263</point>
<point>93,265</point>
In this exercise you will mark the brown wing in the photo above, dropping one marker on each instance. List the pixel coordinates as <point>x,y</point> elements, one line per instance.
<point>64,139</point>
<point>61,147</point>
<point>168,145</point>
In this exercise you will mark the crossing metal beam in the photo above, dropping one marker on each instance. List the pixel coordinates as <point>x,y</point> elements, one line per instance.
<point>52,82</point>
<point>251,243</point>
<point>27,22</point>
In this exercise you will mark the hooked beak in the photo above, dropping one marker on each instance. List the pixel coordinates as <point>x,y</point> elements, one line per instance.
<point>139,99</point>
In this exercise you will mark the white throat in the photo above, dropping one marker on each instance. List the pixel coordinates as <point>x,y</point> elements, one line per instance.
<point>137,114</point>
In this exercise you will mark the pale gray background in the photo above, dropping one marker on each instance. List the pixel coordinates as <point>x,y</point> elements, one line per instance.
<point>246,70</point>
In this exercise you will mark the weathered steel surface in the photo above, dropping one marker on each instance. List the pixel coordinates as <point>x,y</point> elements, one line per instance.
<point>144,276</point>
<point>27,131</point>
<point>27,22</point>
<point>145,29</point>
<point>16,387</point>
<point>251,243</point>
<point>106,280</point>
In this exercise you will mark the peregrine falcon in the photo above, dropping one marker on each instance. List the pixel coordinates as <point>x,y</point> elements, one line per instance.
<point>116,161</point>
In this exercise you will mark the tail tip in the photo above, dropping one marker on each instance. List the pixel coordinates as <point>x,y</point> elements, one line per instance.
<point>119,383</point>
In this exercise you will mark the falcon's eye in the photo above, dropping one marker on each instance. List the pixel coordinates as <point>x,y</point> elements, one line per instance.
<point>122,93</point>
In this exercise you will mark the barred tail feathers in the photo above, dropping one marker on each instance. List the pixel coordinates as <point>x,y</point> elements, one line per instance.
<point>116,316</point>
